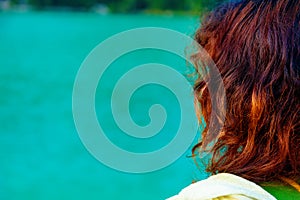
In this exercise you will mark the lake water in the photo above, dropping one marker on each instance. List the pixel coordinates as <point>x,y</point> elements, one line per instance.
<point>42,156</point>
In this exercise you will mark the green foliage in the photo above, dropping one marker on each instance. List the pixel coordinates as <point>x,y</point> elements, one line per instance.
<point>132,5</point>
<point>84,4</point>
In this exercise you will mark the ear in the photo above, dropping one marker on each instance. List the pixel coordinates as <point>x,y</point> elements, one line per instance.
<point>197,106</point>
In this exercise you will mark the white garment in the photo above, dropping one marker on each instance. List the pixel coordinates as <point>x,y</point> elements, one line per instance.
<point>223,186</point>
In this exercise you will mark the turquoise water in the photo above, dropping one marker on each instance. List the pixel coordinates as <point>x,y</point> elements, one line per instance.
<point>42,156</point>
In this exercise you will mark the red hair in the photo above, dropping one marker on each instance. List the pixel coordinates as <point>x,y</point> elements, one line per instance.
<point>256,47</point>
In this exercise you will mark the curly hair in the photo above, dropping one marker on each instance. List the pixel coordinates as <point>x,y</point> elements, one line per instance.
<point>255,45</point>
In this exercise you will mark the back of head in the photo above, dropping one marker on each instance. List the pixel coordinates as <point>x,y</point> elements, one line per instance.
<point>256,47</point>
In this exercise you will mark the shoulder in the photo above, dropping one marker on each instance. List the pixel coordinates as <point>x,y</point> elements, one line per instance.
<point>223,187</point>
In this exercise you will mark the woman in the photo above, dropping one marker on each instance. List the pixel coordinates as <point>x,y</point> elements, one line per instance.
<point>255,45</point>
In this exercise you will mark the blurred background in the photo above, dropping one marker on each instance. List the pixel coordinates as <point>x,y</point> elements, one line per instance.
<point>42,45</point>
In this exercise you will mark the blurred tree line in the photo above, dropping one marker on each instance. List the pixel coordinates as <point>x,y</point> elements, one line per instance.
<point>127,5</point>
